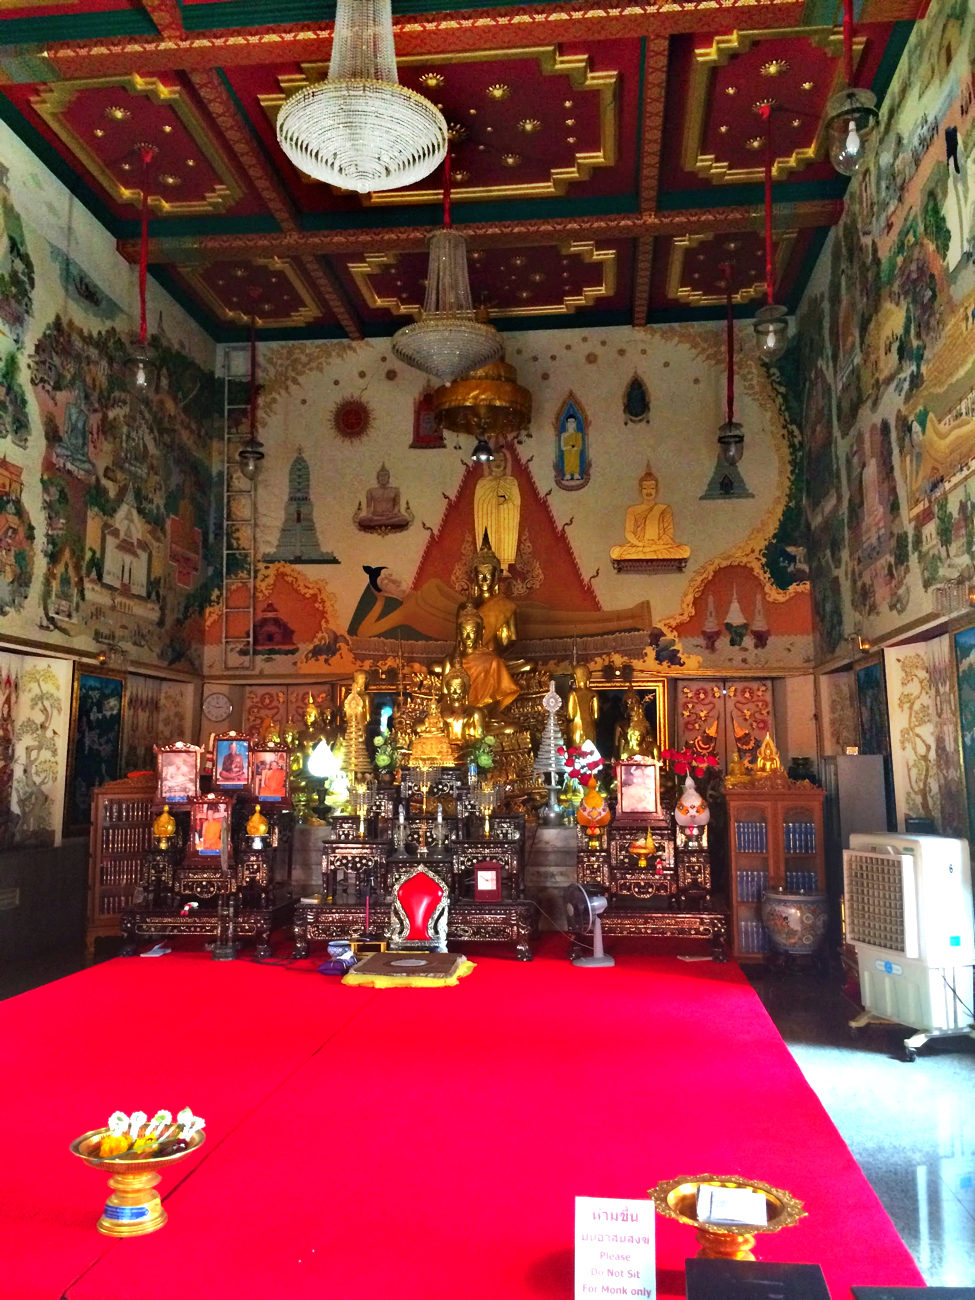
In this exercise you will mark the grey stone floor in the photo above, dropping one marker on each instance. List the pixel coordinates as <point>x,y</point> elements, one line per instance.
<point>911,1127</point>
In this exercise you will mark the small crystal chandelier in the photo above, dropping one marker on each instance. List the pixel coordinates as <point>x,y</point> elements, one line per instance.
<point>141,371</point>
<point>448,340</point>
<point>731,436</point>
<point>360,129</point>
<point>771,328</point>
<point>851,114</point>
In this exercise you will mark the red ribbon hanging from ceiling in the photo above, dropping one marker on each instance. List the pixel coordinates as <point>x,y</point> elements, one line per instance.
<point>147,153</point>
<point>848,40</point>
<point>766,111</point>
<point>446,190</point>
<point>731,345</point>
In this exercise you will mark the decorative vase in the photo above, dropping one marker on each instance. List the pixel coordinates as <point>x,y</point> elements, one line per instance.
<point>134,1207</point>
<point>796,922</point>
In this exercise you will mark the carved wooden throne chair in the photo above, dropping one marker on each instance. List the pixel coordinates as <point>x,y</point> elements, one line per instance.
<point>418,915</point>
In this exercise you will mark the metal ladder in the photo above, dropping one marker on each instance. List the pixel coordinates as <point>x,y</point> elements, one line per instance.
<point>239,520</point>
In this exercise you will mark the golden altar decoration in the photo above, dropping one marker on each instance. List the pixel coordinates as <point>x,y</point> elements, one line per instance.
<point>766,773</point>
<point>164,828</point>
<point>642,849</point>
<point>488,403</point>
<point>676,1198</point>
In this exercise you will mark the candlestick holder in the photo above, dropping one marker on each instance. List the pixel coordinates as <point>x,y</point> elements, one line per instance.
<point>677,1199</point>
<point>134,1207</point>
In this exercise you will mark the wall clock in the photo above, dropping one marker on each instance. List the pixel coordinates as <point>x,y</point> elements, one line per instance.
<point>217,707</point>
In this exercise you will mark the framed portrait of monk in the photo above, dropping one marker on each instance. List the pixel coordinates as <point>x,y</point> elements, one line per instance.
<point>269,774</point>
<point>231,761</point>
<point>210,828</point>
<point>637,789</point>
<point>177,772</point>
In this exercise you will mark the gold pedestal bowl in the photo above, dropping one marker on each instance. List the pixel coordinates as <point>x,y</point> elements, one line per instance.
<point>134,1207</point>
<point>677,1199</point>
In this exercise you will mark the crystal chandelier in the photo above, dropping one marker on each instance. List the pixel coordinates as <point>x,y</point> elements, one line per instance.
<point>771,327</point>
<point>851,114</point>
<point>360,129</point>
<point>448,340</point>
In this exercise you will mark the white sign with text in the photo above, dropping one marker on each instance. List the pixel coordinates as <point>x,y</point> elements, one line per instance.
<point>614,1248</point>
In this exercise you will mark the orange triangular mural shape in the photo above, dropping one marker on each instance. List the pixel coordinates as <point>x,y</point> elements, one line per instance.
<point>544,569</point>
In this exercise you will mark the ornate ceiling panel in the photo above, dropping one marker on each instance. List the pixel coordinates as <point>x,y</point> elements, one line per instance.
<point>607,163</point>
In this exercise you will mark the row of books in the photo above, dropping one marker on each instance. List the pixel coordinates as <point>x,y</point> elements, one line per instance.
<point>751,837</point>
<point>125,811</point>
<point>126,839</point>
<point>800,837</point>
<point>801,882</point>
<point>752,937</point>
<point>751,886</point>
<point>121,871</point>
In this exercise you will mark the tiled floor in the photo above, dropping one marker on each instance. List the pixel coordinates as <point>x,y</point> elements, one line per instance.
<point>911,1127</point>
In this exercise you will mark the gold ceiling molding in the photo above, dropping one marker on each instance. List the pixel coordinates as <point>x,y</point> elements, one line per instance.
<point>308,312</point>
<point>54,101</point>
<point>681,292</point>
<point>374,264</point>
<point>575,67</point>
<point>700,93</point>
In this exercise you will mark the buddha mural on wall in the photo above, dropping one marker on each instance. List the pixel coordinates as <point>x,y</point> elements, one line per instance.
<point>649,530</point>
<point>383,513</point>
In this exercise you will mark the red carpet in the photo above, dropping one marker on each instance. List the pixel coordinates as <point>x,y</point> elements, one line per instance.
<point>428,1142</point>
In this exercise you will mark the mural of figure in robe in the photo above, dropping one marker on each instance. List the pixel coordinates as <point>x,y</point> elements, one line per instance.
<point>497,509</point>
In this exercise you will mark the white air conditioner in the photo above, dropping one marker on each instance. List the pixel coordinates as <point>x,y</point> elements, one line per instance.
<point>908,912</point>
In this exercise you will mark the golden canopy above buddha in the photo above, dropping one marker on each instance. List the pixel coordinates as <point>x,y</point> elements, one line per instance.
<point>487,403</point>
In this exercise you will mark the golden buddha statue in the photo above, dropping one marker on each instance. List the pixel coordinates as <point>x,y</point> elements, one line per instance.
<point>484,631</point>
<point>164,828</point>
<point>355,709</point>
<point>649,528</point>
<point>431,748</point>
<point>583,708</point>
<point>636,738</point>
<point>464,723</point>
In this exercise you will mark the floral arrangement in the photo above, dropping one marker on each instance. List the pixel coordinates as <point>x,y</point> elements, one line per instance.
<point>686,760</point>
<point>387,751</point>
<point>582,762</point>
<point>137,1136</point>
<point>480,753</point>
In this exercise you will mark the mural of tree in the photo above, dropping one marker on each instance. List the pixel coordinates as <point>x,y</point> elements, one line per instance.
<point>37,756</point>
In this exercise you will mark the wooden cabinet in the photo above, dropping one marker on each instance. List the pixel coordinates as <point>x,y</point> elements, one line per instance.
<point>776,841</point>
<point>121,833</point>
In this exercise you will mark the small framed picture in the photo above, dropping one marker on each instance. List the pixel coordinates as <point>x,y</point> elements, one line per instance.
<point>210,827</point>
<point>177,772</point>
<point>637,788</point>
<point>487,882</point>
<point>231,761</point>
<point>269,774</point>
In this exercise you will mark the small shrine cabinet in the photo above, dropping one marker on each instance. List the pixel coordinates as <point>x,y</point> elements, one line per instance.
<point>121,835</point>
<point>776,842</point>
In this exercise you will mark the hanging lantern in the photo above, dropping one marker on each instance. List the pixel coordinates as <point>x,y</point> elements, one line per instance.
<point>360,129</point>
<point>448,340</point>
<point>851,114</point>
<point>771,327</point>
<point>251,452</point>
<point>140,369</point>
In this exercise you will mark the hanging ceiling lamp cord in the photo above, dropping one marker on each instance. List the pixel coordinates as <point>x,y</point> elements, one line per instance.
<point>766,111</point>
<point>147,153</point>
<point>848,40</point>
<point>731,345</point>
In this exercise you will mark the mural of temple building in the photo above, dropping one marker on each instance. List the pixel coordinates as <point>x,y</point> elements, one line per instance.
<point>298,538</point>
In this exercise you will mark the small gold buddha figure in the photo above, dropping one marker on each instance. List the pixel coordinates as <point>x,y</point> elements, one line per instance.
<point>464,723</point>
<point>484,631</point>
<point>649,528</point>
<point>635,738</point>
<point>257,827</point>
<point>164,828</point>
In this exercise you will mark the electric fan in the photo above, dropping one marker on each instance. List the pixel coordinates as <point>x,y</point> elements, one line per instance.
<point>583,907</point>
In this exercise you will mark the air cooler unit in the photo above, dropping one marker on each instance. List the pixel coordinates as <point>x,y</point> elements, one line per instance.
<point>908,913</point>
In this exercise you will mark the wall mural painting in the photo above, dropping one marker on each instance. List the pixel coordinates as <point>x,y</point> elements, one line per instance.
<point>39,750</point>
<point>909,692</point>
<point>141,730</point>
<point>428,435</point>
<point>729,719</point>
<point>298,536</point>
<point>265,711</point>
<point>96,730</point>
<point>947,756</point>
<point>900,356</point>
<point>294,623</point>
<point>636,402</point>
<point>112,487</point>
<point>964,644</point>
<point>648,527</point>
<point>383,513</point>
<point>573,464</point>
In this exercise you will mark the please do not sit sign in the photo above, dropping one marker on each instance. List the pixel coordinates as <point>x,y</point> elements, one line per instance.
<point>614,1249</point>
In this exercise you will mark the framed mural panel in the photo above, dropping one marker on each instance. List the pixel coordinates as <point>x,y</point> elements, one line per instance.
<point>872,708</point>
<point>97,708</point>
<point>964,646</point>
